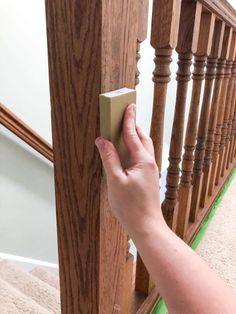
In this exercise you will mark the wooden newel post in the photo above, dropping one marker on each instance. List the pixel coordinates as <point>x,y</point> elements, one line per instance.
<point>197,178</point>
<point>89,53</point>
<point>185,187</point>
<point>210,76</point>
<point>190,17</point>
<point>221,107</point>
<point>164,35</point>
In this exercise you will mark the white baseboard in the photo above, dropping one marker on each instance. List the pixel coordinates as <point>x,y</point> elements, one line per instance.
<point>27,262</point>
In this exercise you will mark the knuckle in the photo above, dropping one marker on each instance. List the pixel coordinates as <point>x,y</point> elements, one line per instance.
<point>151,163</point>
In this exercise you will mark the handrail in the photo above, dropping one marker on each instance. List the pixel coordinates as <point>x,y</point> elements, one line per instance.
<point>23,131</point>
<point>222,9</point>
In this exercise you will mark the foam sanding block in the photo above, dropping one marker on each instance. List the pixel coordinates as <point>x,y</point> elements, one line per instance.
<point>112,108</point>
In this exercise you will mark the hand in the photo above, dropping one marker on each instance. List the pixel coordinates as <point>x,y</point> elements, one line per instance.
<point>133,192</point>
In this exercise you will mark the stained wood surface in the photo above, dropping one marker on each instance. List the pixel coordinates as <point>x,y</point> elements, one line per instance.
<point>222,100</point>
<point>24,132</point>
<point>185,188</point>
<point>187,40</point>
<point>217,43</point>
<point>222,9</point>
<point>164,36</point>
<point>89,53</point>
<point>142,31</point>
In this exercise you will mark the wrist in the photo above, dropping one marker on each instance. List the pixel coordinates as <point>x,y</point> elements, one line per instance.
<point>149,228</point>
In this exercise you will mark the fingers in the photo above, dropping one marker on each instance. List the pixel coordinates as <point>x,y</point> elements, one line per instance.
<point>146,141</point>
<point>129,133</point>
<point>110,158</point>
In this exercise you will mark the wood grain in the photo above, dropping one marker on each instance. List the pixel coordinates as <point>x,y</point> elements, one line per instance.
<point>188,37</point>
<point>164,36</point>
<point>89,53</point>
<point>210,76</point>
<point>222,100</point>
<point>185,188</point>
<point>24,132</point>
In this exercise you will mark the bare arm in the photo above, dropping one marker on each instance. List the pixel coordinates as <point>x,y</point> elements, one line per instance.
<point>185,282</point>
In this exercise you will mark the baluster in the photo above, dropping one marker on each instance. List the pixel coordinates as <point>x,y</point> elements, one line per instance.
<point>228,110</point>
<point>164,35</point>
<point>142,31</point>
<point>226,103</point>
<point>231,140</point>
<point>210,75</point>
<point>233,136</point>
<point>142,34</point>
<point>188,35</point>
<point>203,120</point>
<point>221,107</point>
<point>185,188</point>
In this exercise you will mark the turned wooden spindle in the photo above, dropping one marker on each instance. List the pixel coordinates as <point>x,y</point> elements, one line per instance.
<point>218,100</point>
<point>229,81</point>
<point>161,78</point>
<point>231,123</point>
<point>164,35</point>
<point>187,42</point>
<point>221,107</point>
<point>142,32</point>
<point>228,108</point>
<point>234,137</point>
<point>202,177</point>
<point>185,187</point>
<point>233,141</point>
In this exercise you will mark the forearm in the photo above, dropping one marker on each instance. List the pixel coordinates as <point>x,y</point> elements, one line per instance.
<point>185,282</point>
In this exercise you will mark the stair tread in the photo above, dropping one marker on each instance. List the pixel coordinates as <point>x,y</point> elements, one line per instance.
<point>36,289</point>
<point>12,301</point>
<point>43,274</point>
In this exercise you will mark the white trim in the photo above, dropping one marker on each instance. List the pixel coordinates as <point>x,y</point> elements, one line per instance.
<point>27,260</point>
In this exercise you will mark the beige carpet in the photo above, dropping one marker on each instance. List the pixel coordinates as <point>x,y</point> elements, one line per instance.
<point>23,292</point>
<point>218,246</point>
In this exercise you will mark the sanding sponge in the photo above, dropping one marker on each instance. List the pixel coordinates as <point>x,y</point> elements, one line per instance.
<point>112,108</point>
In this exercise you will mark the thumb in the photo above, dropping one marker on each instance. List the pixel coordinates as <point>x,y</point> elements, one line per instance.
<point>110,158</point>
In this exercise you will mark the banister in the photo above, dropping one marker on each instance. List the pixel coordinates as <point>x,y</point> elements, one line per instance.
<point>23,131</point>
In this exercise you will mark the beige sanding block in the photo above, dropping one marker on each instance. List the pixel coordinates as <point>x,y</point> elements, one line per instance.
<point>112,108</point>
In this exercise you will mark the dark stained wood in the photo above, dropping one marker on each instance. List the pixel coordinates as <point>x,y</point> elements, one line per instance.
<point>233,135</point>
<point>228,107</point>
<point>222,9</point>
<point>190,17</point>
<point>89,53</point>
<point>231,117</point>
<point>194,227</point>
<point>142,31</point>
<point>219,114</point>
<point>231,125</point>
<point>185,186</point>
<point>221,107</point>
<point>24,132</point>
<point>164,35</point>
<point>210,75</point>
<point>141,274</point>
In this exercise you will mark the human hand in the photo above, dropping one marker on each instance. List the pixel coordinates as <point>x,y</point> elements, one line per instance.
<point>133,192</point>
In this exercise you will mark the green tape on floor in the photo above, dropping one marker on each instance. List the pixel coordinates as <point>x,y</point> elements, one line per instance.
<point>161,307</point>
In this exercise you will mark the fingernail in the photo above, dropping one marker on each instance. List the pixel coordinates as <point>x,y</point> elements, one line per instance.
<point>132,107</point>
<point>99,142</point>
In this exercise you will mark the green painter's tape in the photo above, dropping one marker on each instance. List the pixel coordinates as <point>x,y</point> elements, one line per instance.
<point>161,308</point>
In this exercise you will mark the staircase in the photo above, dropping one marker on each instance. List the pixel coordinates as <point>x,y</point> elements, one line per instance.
<point>28,292</point>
